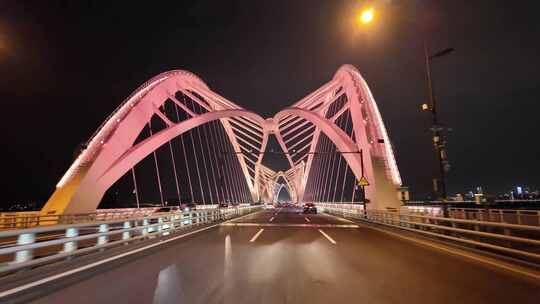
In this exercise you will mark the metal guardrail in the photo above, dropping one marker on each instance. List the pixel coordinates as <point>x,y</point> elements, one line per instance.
<point>25,248</point>
<point>21,220</point>
<point>511,216</point>
<point>28,219</point>
<point>514,216</point>
<point>521,241</point>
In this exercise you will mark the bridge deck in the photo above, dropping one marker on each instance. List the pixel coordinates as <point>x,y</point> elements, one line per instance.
<point>292,264</point>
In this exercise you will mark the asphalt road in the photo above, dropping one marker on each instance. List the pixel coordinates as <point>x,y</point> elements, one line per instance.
<point>297,258</point>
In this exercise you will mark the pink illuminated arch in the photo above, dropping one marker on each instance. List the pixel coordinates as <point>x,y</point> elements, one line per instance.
<point>112,151</point>
<point>370,135</point>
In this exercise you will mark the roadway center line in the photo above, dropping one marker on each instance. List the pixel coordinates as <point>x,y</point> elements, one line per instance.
<point>307,220</point>
<point>254,238</point>
<point>328,237</point>
<point>271,219</point>
<point>100,262</point>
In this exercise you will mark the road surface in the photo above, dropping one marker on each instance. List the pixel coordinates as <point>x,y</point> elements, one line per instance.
<point>282,256</point>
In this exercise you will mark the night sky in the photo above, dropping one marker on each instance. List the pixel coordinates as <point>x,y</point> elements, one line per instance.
<point>65,65</point>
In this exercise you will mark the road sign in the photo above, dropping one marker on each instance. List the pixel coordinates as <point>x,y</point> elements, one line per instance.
<point>363,181</point>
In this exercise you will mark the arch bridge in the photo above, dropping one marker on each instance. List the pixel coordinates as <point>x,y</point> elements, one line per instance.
<point>215,148</point>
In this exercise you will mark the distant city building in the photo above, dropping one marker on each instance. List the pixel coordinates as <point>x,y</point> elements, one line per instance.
<point>479,190</point>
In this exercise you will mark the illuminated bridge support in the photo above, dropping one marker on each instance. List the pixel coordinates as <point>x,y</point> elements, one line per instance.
<point>327,130</point>
<point>183,104</point>
<point>216,147</point>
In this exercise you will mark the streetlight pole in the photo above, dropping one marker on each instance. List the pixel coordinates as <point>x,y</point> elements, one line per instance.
<point>438,144</point>
<point>367,16</point>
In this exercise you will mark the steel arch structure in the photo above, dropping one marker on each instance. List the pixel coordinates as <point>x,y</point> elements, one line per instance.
<point>113,149</point>
<point>277,191</point>
<point>299,129</point>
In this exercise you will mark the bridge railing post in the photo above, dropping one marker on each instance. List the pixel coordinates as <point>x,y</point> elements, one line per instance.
<point>126,234</point>
<point>160,225</point>
<point>204,217</point>
<point>147,229</point>
<point>103,239</point>
<point>25,255</point>
<point>71,246</point>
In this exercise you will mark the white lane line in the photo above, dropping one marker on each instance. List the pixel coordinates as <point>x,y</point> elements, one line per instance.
<point>307,220</point>
<point>254,238</point>
<point>271,219</point>
<point>328,237</point>
<point>116,257</point>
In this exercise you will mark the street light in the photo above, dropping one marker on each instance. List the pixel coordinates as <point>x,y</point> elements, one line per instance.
<point>365,17</point>
<point>438,144</point>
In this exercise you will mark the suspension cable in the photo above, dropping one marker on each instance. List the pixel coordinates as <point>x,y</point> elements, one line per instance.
<point>227,154</point>
<point>174,164</point>
<point>156,164</point>
<point>335,149</point>
<point>204,159</point>
<point>185,157</point>
<point>208,137</point>
<point>195,154</point>
<point>340,159</point>
<point>224,179</point>
<point>135,187</point>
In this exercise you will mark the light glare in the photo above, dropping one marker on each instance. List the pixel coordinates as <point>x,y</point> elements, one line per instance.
<point>366,16</point>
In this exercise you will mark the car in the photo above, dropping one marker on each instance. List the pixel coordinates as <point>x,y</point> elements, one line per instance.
<point>167,209</point>
<point>188,206</point>
<point>310,208</point>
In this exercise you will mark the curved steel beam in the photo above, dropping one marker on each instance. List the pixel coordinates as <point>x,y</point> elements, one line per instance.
<point>340,139</point>
<point>110,151</point>
<point>111,147</point>
<point>138,152</point>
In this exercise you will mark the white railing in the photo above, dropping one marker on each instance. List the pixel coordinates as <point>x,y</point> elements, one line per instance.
<point>522,241</point>
<point>24,248</point>
<point>512,216</point>
<point>28,219</point>
<point>479,212</point>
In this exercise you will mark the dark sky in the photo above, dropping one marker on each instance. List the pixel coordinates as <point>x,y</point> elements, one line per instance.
<point>65,65</point>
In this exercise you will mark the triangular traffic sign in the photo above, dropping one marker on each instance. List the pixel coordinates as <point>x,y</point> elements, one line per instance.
<point>363,181</point>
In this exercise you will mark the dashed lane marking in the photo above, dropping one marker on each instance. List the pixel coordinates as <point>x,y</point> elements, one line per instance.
<point>327,237</point>
<point>254,238</point>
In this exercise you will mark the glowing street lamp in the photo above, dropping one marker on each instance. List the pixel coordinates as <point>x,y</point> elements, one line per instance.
<point>366,16</point>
